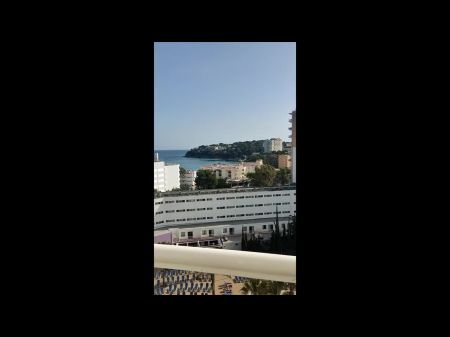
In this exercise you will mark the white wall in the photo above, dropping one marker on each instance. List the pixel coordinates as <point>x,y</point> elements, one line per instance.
<point>158,175</point>
<point>165,177</point>
<point>172,177</point>
<point>294,166</point>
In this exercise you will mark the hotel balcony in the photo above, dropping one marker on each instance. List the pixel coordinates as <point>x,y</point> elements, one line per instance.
<point>261,266</point>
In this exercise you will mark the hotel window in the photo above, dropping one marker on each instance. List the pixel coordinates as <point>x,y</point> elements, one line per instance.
<point>230,216</point>
<point>220,216</point>
<point>250,214</point>
<point>181,210</point>
<point>179,220</point>
<point>170,220</point>
<point>268,195</point>
<point>267,213</point>
<point>211,232</point>
<point>286,195</point>
<point>259,196</point>
<point>286,212</point>
<point>220,199</point>
<point>277,195</point>
<point>264,227</point>
<point>200,199</point>
<point>191,200</point>
<point>221,207</point>
<point>170,211</point>
<point>208,199</point>
<point>283,226</point>
<point>190,219</point>
<point>224,231</point>
<point>159,203</point>
<point>251,229</point>
<point>230,206</point>
<point>231,198</point>
<point>278,203</point>
<point>244,229</point>
<point>258,213</point>
<point>203,218</point>
<point>159,212</point>
<point>160,222</point>
<point>240,206</point>
<point>178,201</point>
<point>258,205</point>
<point>169,202</point>
<point>201,209</point>
<point>204,232</point>
<point>240,197</point>
<point>286,203</point>
<point>209,217</point>
<point>240,215</point>
<point>267,204</point>
<point>249,196</point>
<point>271,227</point>
<point>183,234</point>
<point>209,208</point>
<point>295,202</point>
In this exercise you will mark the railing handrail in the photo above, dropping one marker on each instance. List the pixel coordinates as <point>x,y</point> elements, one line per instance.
<point>227,262</point>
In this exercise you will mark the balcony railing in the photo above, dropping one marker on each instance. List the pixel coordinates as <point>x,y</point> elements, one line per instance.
<point>227,262</point>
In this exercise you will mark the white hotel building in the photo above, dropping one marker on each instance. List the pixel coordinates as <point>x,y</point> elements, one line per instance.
<point>274,144</point>
<point>293,137</point>
<point>199,217</point>
<point>165,177</point>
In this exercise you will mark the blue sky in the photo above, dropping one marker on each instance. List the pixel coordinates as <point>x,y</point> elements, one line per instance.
<point>208,93</point>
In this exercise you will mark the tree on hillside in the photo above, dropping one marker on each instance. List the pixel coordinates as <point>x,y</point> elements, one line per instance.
<point>205,180</point>
<point>182,171</point>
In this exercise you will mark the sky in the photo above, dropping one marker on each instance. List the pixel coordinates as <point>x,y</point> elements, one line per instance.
<point>207,93</point>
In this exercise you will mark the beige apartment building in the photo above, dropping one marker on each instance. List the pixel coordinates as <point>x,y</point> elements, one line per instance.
<point>233,172</point>
<point>284,161</point>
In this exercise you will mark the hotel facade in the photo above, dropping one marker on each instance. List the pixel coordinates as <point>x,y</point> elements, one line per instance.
<point>211,215</point>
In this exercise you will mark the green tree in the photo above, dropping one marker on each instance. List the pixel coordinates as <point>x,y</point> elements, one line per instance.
<point>182,171</point>
<point>275,287</point>
<point>205,180</point>
<point>283,176</point>
<point>185,187</point>
<point>264,176</point>
<point>254,287</point>
<point>222,183</point>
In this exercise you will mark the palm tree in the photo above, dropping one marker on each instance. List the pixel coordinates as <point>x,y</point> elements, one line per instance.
<point>254,287</point>
<point>275,288</point>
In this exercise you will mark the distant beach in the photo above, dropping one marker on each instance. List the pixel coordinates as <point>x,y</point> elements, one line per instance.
<point>177,157</point>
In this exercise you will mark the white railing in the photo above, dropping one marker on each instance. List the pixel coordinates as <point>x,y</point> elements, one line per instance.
<point>227,262</point>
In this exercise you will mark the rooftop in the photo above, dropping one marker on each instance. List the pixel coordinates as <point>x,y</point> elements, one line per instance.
<point>223,191</point>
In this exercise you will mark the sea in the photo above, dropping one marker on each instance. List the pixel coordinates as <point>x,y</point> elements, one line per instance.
<point>177,157</point>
